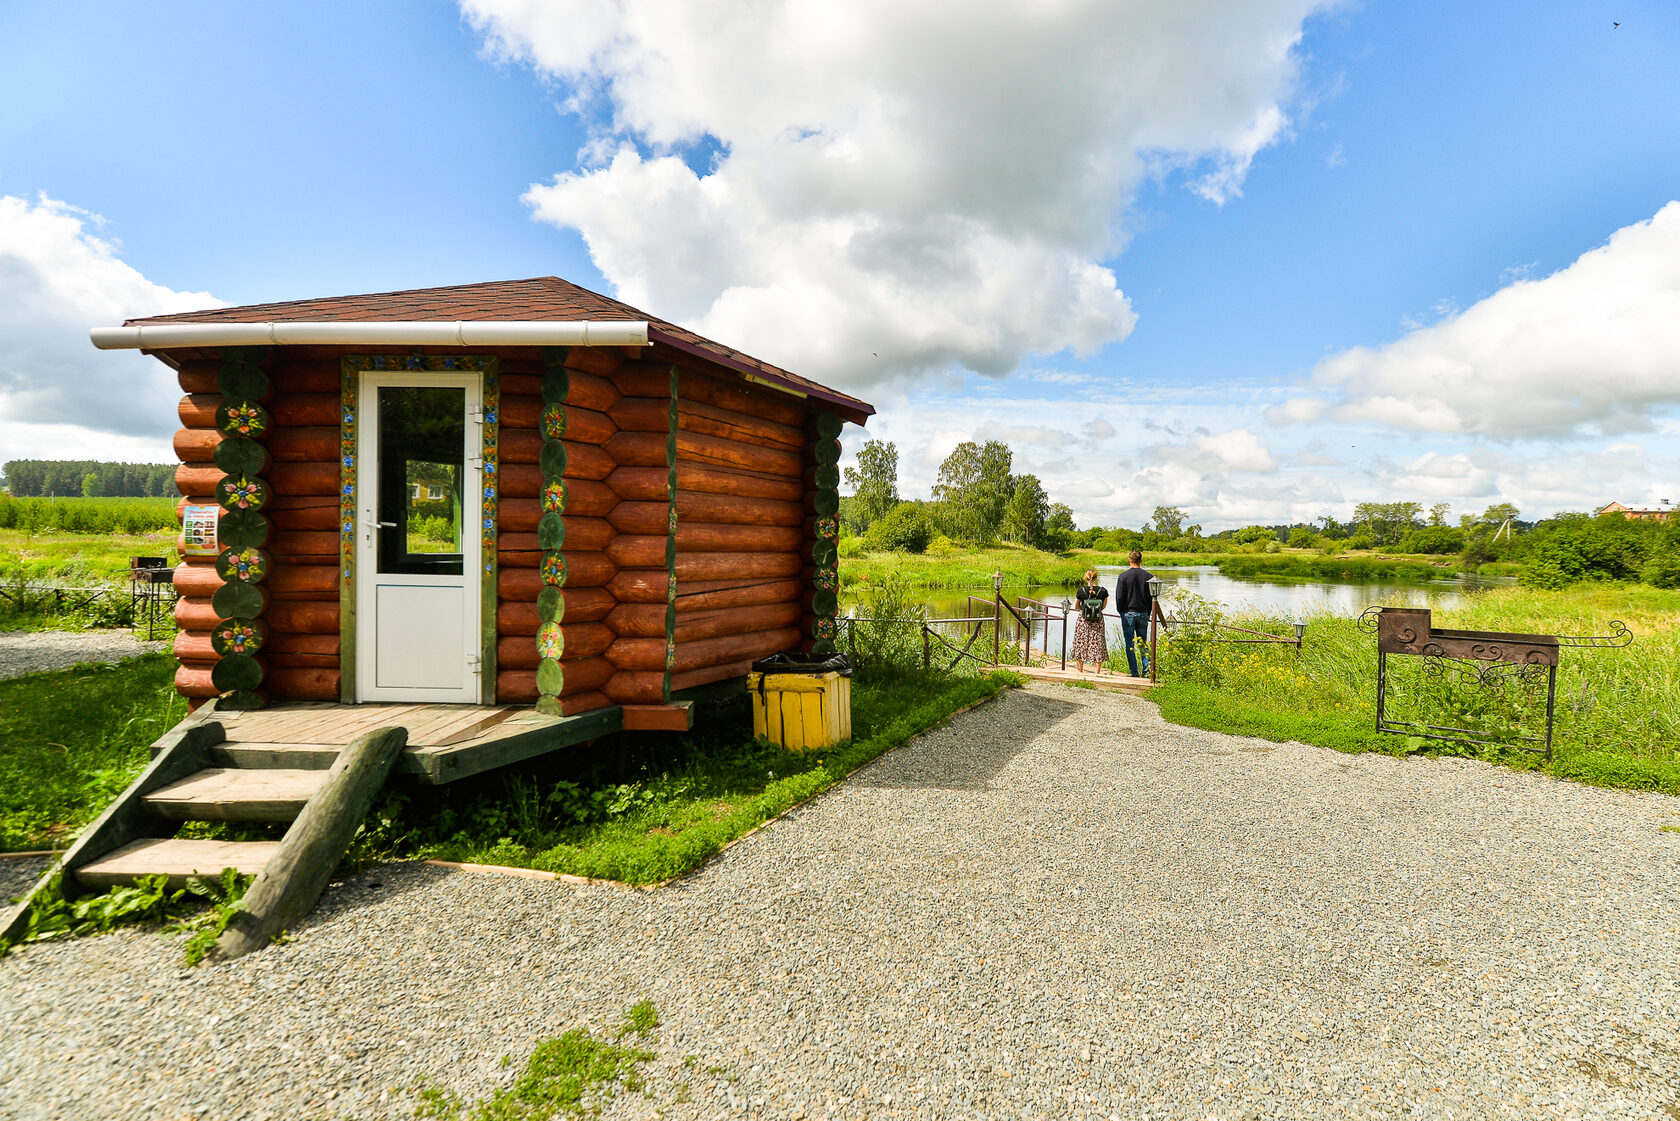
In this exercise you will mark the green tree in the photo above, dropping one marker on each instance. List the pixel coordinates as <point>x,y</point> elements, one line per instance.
<point>92,487</point>
<point>874,481</point>
<point>1438,513</point>
<point>1029,506</point>
<point>973,489</point>
<point>1169,521</point>
<point>1387,522</point>
<point>905,529</point>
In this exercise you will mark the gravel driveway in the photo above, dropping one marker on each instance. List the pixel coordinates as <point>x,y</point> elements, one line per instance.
<point>1056,906</point>
<point>24,652</point>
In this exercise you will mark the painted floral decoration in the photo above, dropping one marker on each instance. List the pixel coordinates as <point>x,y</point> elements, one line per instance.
<point>554,569</point>
<point>828,528</point>
<point>554,497</point>
<point>550,642</point>
<point>242,493</point>
<point>243,564</point>
<point>825,630</point>
<point>827,579</point>
<point>244,419</point>
<point>554,422</point>
<point>236,637</point>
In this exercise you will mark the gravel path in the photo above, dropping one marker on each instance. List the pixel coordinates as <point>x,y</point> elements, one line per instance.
<point>24,652</point>
<point>1056,906</point>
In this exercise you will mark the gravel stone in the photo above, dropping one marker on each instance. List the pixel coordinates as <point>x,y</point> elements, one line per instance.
<point>24,652</point>
<point>1055,906</point>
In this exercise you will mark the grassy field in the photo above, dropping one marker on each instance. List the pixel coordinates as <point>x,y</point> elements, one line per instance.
<point>71,741</point>
<point>1022,567</point>
<point>1618,711</point>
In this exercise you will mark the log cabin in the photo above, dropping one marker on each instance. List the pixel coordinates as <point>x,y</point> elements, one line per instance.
<point>519,493</point>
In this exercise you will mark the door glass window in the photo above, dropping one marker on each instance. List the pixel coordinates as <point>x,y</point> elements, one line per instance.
<point>422,441</point>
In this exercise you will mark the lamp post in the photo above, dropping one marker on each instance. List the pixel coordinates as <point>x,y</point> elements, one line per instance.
<point>1155,586</point>
<point>997,612</point>
<point>1300,626</point>
<point>1067,605</point>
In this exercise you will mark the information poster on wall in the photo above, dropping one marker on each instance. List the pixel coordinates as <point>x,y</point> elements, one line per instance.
<point>198,531</point>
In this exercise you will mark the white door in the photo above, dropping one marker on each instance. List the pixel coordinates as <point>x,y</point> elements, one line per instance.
<point>419,482</point>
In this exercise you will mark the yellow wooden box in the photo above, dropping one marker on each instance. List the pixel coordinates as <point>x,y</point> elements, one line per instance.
<point>801,711</point>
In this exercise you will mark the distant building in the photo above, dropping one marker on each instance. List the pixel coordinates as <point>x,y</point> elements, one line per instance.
<point>1655,514</point>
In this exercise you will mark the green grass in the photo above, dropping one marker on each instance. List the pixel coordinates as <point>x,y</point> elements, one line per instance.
<point>1618,711</point>
<point>73,740</point>
<point>79,559</point>
<point>1316,567</point>
<point>649,821</point>
<point>573,1074</point>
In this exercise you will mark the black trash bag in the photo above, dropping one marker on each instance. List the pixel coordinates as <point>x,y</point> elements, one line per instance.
<point>790,661</point>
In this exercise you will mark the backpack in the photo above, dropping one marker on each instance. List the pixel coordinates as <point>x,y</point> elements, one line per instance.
<point>1091,608</point>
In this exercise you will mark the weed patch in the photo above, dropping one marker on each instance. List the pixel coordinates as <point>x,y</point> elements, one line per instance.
<point>574,1074</point>
<point>200,911</point>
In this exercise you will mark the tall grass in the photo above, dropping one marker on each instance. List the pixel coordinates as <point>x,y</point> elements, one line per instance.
<point>1618,710</point>
<point>103,516</point>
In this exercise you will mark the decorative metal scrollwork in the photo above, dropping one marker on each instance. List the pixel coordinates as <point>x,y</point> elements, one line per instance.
<point>1620,637</point>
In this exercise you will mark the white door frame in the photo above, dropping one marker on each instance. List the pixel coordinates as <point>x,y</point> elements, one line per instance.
<point>368,577</point>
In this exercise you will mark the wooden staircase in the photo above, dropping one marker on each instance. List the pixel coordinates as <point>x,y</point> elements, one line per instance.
<point>190,779</point>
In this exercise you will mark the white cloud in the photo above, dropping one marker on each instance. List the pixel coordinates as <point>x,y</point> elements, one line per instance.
<point>893,187</point>
<point>59,397</point>
<point>1592,349</point>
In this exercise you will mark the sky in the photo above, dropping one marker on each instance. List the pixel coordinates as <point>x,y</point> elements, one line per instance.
<point>1258,259</point>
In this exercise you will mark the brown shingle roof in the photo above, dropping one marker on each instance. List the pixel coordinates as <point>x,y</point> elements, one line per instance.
<point>538,298</point>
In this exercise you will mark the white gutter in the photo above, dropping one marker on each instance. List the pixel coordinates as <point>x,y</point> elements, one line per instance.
<point>480,332</point>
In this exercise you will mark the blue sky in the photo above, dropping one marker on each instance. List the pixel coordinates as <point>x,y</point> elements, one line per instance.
<point>1261,259</point>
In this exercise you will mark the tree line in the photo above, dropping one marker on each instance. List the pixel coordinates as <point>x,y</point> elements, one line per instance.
<point>84,478</point>
<point>977,501</point>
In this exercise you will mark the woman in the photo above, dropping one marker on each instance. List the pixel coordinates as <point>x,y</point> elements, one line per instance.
<point>1090,632</point>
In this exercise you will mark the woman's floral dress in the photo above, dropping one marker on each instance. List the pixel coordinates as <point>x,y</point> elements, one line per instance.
<point>1090,640</point>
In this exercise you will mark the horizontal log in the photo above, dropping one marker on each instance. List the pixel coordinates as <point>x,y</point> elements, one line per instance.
<point>710,674</point>
<point>196,578</point>
<point>194,681</point>
<point>584,702</point>
<point>586,640</point>
<point>735,566</point>
<point>586,498</point>
<point>290,659</point>
<point>295,580</point>
<point>518,515</point>
<point>518,558</point>
<point>589,570</point>
<point>194,613</point>
<point>585,675</point>
<point>301,617</point>
<point>698,537</point>
<point>198,410</point>
<point>520,411</point>
<point>637,449</point>
<point>588,605</point>
<point>638,620</point>
<point>709,420</point>
<point>307,375</point>
<point>640,687</point>
<point>316,444</point>
<point>194,646</point>
<point>524,480</point>
<point>306,410</point>
<point>298,545</point>
<point>589,461</point>
<point>739,620</point>
<point>517,381</point>
<point>640,585</point>
<point>518,619</point>
<point>320,645</point>
<point>630,551</point>
<point>738,397</point>
<point>640,517</point>
<point>642,414</point>
<point>595,363</point>
<point>637,653</point>
<point>196,445</point>
<point>587,426</point>
<point>516,686</point>
<point>323,515</point>
<point>192,479</point>
<point>516,652</point>
<point>714,450</point>
<point>733,648</point>
<point>724,480</point>
<point>588,533</point>
<point>198,377</point>
<point>644,379</point>
<point>317,479</point>
<point>640,484</point>
<point>519,445</point>
<point>294,683</point>
<point>734,509</point>
<point>708,595</point>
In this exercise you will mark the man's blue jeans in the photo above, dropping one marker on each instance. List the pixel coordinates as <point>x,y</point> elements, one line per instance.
<point>1134,629</point>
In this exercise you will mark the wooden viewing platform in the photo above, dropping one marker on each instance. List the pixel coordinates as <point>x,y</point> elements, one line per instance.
<point>1115,682</point>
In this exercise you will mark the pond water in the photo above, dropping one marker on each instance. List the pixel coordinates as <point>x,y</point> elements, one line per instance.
<point>1281,598</point>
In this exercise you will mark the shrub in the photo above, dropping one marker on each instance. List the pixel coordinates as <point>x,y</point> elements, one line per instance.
<point>1435,540</point>
<point>905,529</point>
<point>942,546</point>
<point>1362,540</point>
<point>1302,538</point>
<point>850,547</point>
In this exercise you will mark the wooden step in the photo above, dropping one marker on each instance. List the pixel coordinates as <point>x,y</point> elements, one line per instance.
<point>232,794</point>
<point>178,859</point>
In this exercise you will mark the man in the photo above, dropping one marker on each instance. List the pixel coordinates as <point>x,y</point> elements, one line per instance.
<point>1131,600</point>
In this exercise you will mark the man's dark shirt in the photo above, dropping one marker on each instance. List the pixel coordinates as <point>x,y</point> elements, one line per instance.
<point>1131,591</point>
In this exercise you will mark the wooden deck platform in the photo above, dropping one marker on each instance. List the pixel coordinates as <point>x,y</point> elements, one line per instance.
<point>445,742</point>
<point>1115,682</point>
